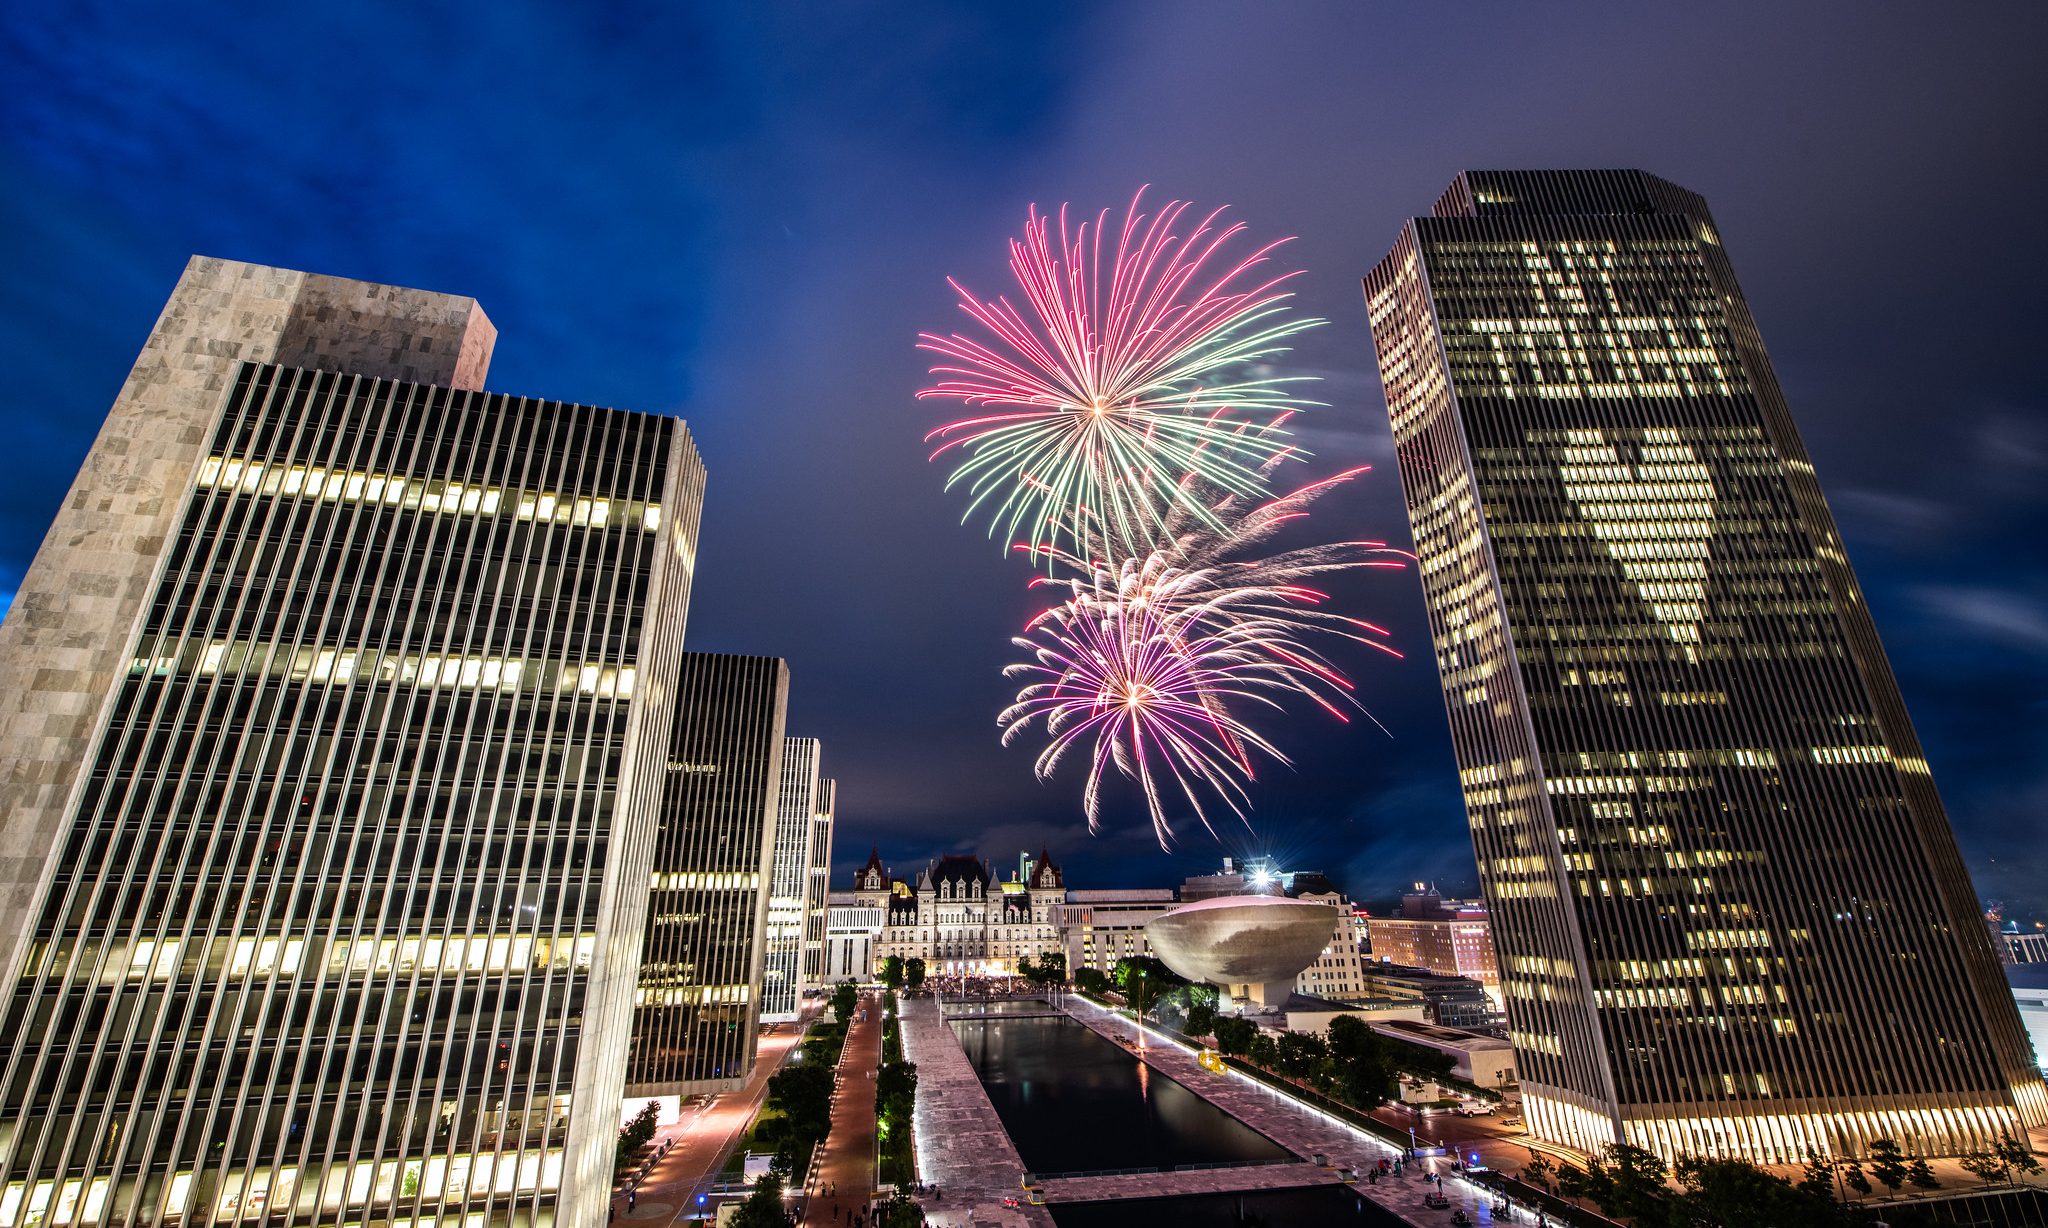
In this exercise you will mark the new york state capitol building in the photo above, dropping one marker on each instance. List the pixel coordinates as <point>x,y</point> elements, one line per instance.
<point>958,916</point>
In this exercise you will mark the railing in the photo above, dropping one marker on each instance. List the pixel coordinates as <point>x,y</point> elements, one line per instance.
<point>1031,1179</point>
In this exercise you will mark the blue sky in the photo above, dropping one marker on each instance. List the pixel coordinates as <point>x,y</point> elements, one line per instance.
<point>743,214</point>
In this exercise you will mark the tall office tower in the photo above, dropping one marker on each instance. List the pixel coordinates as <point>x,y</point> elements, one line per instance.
<point>335,704</point>
<point>695,1025</point>
<point>1731,916</point>
<point>789,882</point>
<point>818,887</point>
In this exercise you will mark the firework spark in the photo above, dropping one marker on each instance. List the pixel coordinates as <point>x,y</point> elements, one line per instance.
<point>1153,659</point>
<point>1146,701</point>
<point>1132,370</point>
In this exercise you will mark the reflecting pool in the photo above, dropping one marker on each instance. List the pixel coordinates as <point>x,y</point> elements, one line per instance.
<point>1072,1101</point>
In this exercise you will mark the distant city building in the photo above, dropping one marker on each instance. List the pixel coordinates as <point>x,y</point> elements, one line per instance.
<point>1452,937</point>
<point>1449,1001</point>
<point>2030,991</point>
<point>801,793</point>
<point>334,713</point>
<point>818,885</point>
<point>1098,927</point>
<point>1300,1012</point>
<point>1487,1061</point>
<point>1339,972</point>
<point>1704,825</point>
<point>694,1027</point>
<point>852,926</point>
<point>2017,946</point>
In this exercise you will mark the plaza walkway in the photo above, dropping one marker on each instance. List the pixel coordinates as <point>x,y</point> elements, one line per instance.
<point>961,1145</point>
<point>846,1159</point>
<point>704,1138</point>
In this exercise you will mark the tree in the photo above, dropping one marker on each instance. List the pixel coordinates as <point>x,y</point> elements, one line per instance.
<point>1154,971</point>
<point>1887,1163</point>
<point>892,972</point>
<point>1265,1050</point>
<point>636,1133</point>
<point>1142,991</point>
<point>1359,1059</point>
<point>1049,969</point>
<point>1201,1019</point>
<point>2017,1155</point>
<point>1538,1172</point>
<point>1636,1179</point>
<point>802,1093</point>
<point>1091,981</point>
<point>1301,1055</point>
<point>895,1089</point>
<point>763,1207</point>
<point>1234,1035</point>
<point>1818,1179</point>
<point>1921,1176</point>
<point>845,1000</point>
<point>913,972</point>
<point>1852,1174</point>
<point>897,1211</point>
<point>1986,1166</point>
<point>1573,1182</point>
<point>1735,1193</point>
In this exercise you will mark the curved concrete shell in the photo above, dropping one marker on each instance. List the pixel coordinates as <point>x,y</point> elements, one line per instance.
<point>1249,944</point>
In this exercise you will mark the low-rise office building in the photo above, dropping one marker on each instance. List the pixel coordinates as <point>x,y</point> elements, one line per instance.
<point>1487,1061</point>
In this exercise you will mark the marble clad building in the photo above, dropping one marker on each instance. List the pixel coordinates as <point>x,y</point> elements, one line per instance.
<point>333,719</point>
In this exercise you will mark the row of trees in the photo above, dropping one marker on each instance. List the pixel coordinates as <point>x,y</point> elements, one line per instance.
<point>800,1094</point>
<point>1351,1062</point>
<point>901,973</point>
<point>636,1134</point>
<point>895,1103</point>
<point>1633,1184</point>
<point>1049,971</point>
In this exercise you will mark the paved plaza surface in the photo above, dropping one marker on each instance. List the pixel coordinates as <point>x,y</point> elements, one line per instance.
<point>961,1145</point>
<point>843,1174</point>
<point>704,1138</point>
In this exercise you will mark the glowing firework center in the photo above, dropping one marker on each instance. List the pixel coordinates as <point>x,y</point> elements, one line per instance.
<point>1250,947</point>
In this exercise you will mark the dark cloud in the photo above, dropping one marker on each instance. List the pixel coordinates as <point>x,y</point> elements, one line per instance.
<point>745,213</point>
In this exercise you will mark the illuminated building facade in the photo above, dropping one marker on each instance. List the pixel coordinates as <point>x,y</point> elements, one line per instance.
<point>694,1026</point>
<point>818,885</point>
<point>802,797</point>
<point>1730,914</point>
<point>1451,937</point>
<point>958,917</point>
<point>337,916</point>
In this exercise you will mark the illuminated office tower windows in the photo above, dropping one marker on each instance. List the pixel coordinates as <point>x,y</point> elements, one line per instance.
<point>1730,914</point>
<point>803,798</point>
<point>694,1027</point>
<point>818,887</point>
<point>334,915</point>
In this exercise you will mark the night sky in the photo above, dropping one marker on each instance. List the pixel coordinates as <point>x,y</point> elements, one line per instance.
<point>744,215</point>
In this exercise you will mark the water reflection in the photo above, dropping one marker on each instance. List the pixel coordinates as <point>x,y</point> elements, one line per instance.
<point>1071,1100</point>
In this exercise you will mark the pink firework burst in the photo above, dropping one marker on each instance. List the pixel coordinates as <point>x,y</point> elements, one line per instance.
<point>1127,371</point>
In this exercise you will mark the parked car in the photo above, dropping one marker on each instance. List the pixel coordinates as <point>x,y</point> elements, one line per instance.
<point>1475,1108</point>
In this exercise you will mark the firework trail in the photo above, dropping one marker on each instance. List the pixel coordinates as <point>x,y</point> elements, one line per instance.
<point>1126,436</point>
<point>1128,371</point>
<point>1146,701</point>
<point>1150,658</point>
